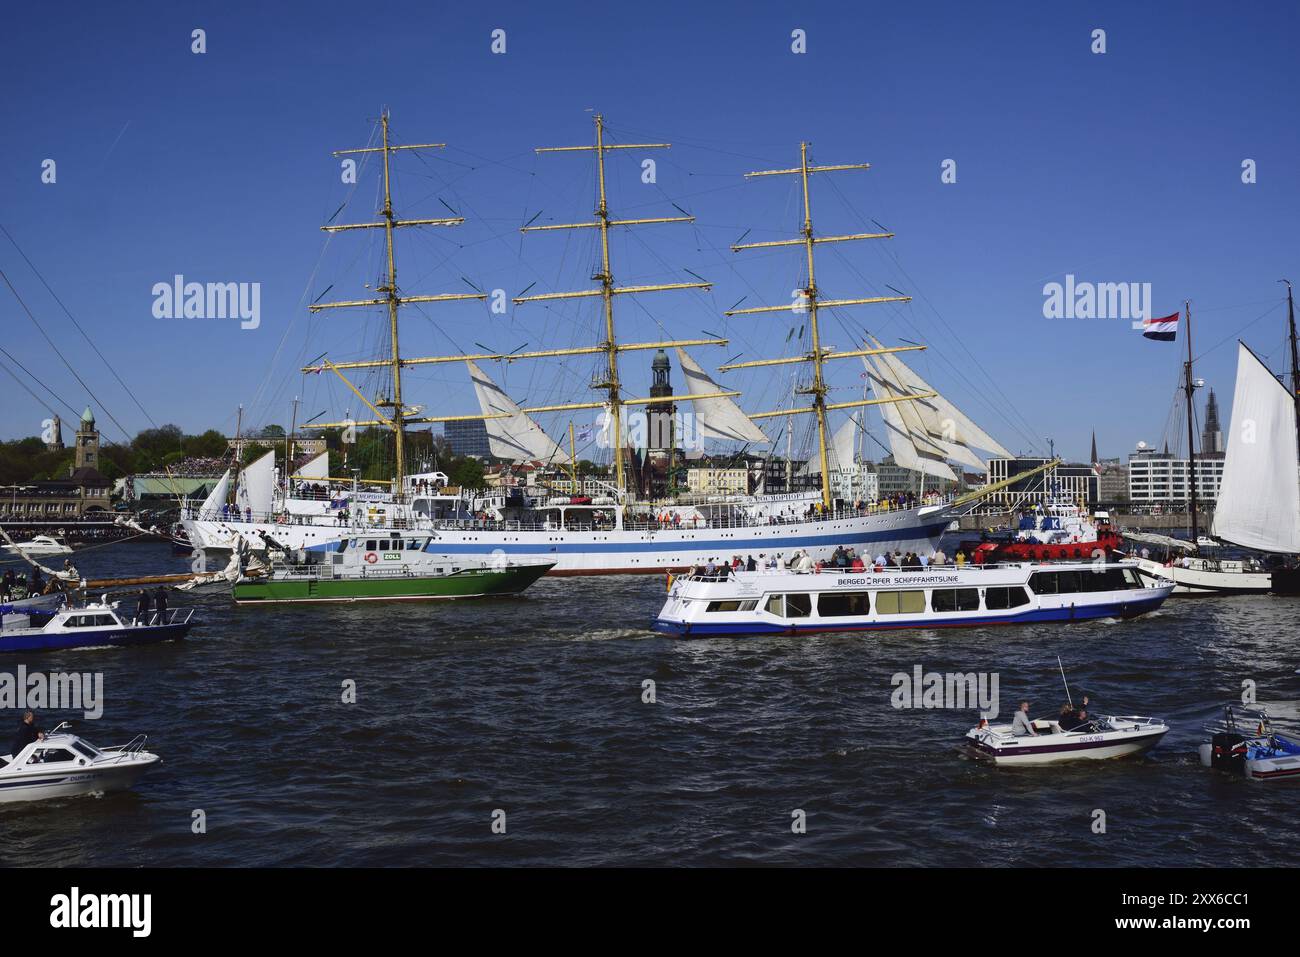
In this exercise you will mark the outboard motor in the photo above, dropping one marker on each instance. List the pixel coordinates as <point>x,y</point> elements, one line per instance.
<point>1225,753</point>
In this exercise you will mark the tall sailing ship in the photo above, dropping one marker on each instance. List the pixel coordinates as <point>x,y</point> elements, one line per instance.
<point>618,532</point>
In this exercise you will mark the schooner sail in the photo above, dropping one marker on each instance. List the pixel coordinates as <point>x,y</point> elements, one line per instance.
<point>1259,497</point>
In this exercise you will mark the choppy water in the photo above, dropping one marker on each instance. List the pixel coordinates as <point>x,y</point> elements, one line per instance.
<point>534,706</point>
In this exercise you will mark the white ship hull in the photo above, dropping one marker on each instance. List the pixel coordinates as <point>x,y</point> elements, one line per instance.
<point>1207,577</point>
<point>615,551</point>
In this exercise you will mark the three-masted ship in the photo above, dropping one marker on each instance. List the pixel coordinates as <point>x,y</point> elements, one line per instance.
<point>617,532</point>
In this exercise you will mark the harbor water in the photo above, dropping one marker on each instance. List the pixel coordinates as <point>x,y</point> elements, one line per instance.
<point>533,713</point>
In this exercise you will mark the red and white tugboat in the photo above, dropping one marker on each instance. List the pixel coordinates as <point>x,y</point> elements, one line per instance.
<point>1057,532</point>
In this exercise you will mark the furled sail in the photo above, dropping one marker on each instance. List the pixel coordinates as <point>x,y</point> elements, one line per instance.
<point>317,469</point>
<point>516,437</point>
<point>719,417</point>
<point>1259,498</point>
<point>910,446</point>
<point>257,486</point>
<point>217,497</point>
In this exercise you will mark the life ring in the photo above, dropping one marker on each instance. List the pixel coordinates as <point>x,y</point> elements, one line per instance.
<point>371,557</point>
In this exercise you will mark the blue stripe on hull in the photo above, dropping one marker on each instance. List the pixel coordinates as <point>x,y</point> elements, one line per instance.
<point>72,639</point>
<point>1110,610</point>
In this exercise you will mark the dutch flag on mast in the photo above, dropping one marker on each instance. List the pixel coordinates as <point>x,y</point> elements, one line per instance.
<point>1164,329</point>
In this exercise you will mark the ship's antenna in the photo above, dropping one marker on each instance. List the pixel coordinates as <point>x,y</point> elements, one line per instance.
<point>1064,682</point>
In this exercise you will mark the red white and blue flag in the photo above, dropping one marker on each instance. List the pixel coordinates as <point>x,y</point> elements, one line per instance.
<point>1164,329</point>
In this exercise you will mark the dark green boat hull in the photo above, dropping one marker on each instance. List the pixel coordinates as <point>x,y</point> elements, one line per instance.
<point>467,583</point>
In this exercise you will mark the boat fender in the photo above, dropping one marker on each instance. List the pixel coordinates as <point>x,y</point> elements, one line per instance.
<point>371,558</point>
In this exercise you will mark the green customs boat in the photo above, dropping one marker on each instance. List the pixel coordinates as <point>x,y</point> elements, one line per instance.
<point>383,569</point>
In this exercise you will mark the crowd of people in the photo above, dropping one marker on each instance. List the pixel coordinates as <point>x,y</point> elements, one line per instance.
<point>842,559</point>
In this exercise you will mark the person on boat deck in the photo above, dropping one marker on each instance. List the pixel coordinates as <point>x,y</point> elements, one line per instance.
<point>35,583</point>
<point>7,585</point>
<point>1021,725</point>
<point>141,607</point>
<point>960,557</point>
<point>880,560</point>
<point>27,733</point>
<point>1068,717</point>
<point>750,564</point>
<point>160,601</point>
<point>709,567</point>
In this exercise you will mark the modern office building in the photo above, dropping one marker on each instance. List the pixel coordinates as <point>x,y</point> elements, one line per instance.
<point>1160,478</point>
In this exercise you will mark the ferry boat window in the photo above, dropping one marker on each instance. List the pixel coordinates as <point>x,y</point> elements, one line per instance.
<point>1108,579</point>
<point>748,604</point>
<point>841,604</point>
<point>1133,578</point>
<point>900,603</point>
<point>798,605</point>
<point>1043,583</point>
<point>999,598</point>
<point>370,545</point>
<point>775,604</point>
<point>1067,583</point>
<point>955,599</point>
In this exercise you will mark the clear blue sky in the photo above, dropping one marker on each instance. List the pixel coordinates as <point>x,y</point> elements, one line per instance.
<point>1117,167</point>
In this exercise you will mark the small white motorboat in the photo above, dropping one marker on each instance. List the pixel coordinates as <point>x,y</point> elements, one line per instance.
<point>63,765</point>
<point>40,545</point>
<point>1104,736</point>
<point>1263,755</point>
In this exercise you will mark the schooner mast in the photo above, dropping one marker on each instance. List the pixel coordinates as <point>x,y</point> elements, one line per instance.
<point>396,419</point>
<point>811,302</point>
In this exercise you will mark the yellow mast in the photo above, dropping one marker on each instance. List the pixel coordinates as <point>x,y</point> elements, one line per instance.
<point>812,302</point>
<point>396,419</point>
<point>610,347</point>
<point>607,290</point>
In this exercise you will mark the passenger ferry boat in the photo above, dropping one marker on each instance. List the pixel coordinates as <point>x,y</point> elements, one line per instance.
<point>393,568</point>
<point>948,596</point>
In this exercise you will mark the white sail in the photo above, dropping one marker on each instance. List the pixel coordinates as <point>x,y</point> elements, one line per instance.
<point>257,486</point>
<point>841,451</point>
<point>947,426</point>
<point>318,469</point>
<point>910,450</point>
<point>719,417</point>
<point>217,497</point>
<point>516,437</point>
<point>1259,498</point>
